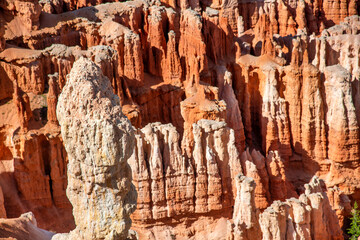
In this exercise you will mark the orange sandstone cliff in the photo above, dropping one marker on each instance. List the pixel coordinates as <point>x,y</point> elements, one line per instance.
<point>245,118</point>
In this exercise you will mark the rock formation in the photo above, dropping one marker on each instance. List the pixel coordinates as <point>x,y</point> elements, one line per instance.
<point>246,222</point>
<point>2,39</point>
<point>24,227</point>
<point>22,104</point>
<point>309,217</point>
<point>52,99</point>
<point>98,140</point>
<point>2,207</point>
<point>173,185</point>
<point>235,107</point>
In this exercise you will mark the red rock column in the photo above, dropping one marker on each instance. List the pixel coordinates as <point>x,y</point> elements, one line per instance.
<point>343,133</point>
<point>2,39</point>
<point>275,122</point>
<point>172,70</point>
<point>293,82</point>
<point>191,43</point>
<point>52,100</point>
<point>233,113</point>
<point>22,104</point>
<point>300,15</point>
<point>313,133</point>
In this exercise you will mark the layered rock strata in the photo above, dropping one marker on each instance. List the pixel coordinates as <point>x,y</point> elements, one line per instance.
<point>268,89</point>
<point>172,186</point>
<point>308,217</point>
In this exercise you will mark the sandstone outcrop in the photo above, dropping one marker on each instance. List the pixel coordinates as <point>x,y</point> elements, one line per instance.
<point>170,184</point>
<point>310,216</point>
<point>34,177</point>
<point>24,227</point>
<point>98,140</point>
<point>254,166</point>
<point>52,99</point>
<point>246,222</point>
<point>2,207</point>
<point>22,104</point>
<point>158,151</point>
<point>2,39</point>
<point>346,129</point>
<point>25,12</point>
<point>265,89</point>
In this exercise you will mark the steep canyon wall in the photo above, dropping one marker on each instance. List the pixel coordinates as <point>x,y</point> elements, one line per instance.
<point>245,113</point>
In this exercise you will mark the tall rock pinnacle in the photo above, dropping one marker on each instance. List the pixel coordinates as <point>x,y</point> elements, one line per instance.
<point>99,140</point>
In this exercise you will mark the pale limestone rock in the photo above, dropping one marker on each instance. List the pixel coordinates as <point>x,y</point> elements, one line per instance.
<point>253,164</point>
<point>217,163</point>
<point>341,117</point>
<point>273,221</point>
<point>233,114</point>
<point>245,215</point>
<point>309,217</point>
<point>164,178</point>
<point>98,140</point>
<point>240,25</point>
<point>23,227</point>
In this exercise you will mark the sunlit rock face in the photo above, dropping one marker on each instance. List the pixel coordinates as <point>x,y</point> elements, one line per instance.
<point>235,106</point>
<point>98,140</point>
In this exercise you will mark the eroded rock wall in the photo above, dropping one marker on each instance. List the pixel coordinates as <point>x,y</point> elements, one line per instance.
<point>267,89</point>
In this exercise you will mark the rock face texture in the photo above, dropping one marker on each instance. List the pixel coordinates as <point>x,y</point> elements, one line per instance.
<point>172,185</point>
<point>99,140</point>
<point>245,117</point>
<point>246,219</point>
<point>23,227</point>
<point>309,217</point>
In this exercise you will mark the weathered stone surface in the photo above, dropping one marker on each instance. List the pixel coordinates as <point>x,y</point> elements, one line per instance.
<point>282,75</point>
<point>253,164</point>
<point>98,140</point>
<point>310,216</point>
<point>52,98</point>
<point>23,227</point>
<point>22,104</point>
<point>165,178</point>
<point>2,39</point>
<point>2,207</point>
<point>245,213</point>
<point>343,128</point>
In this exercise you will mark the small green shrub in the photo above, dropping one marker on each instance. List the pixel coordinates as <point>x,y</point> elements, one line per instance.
<point>354,230</point>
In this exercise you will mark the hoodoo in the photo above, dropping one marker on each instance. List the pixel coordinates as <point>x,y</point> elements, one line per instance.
<point>190,119</point>
<point>98,139</point>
